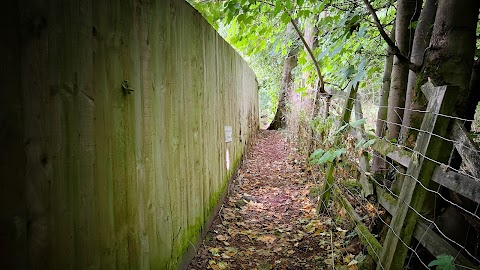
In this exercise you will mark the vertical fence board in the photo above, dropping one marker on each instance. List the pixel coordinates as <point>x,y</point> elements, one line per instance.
<point>13,208</point>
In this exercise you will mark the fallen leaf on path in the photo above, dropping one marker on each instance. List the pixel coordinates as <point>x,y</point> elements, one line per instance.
<point>353,262</point>
<point>328,261</point>
<point>231,251</point>
<point>341,232</point>
<point>267,238</point>
<point>215,251</point>
<point>222,237</point>
<point>222,265</point>
<point>232,232</point>
<point>213,265</point>
<point>348,258</point>
<point>225,256</point>
<point>251,234</point>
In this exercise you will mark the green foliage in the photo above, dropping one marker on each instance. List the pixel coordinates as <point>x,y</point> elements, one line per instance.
<point>322,126</point>
<point>349,48</point>
<point>443,262</point>
<point>364,143</point>
<point>326,156</point>
<point>357,123</point>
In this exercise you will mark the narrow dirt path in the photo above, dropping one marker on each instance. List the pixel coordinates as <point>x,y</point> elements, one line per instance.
<point>269,221</point>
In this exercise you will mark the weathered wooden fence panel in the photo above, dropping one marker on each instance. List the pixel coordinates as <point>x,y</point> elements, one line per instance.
<point>121,132</point>
<point>428,162</point>
<point>419,172</point>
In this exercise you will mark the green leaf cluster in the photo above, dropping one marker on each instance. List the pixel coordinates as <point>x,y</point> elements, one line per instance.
<point>349,48</point>
<point>321,156</point>
<point>443,262</point>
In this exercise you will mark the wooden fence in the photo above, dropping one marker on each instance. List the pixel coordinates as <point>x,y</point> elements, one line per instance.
<point>114,152</point>
<point>418,169</point>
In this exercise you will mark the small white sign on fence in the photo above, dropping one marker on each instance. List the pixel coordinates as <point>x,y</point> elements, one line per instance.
<point>228,133</point>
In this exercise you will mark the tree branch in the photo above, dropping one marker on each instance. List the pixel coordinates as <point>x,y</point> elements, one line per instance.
<point>309,50</point>
<point>395,50</point>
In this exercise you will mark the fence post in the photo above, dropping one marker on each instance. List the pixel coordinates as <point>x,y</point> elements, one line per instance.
<point>328,185</point>
<point>367,187</point>
<point>429,144</point>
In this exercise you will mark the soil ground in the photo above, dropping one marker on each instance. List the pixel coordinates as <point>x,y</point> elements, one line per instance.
<point>269,221</point>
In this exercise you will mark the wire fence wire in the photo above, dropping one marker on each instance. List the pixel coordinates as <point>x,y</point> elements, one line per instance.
<point>361,201</point>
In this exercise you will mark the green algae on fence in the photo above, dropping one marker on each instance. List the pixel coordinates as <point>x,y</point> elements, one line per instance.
<point>366,237</point>
<point>419,174</point>
<point>125,180</point>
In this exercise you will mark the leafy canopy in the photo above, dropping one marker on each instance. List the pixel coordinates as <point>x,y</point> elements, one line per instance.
<point>349,46</point>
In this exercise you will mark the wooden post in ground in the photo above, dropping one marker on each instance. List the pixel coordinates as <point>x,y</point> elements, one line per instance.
<point>327,186</point>
<point>420,170</point>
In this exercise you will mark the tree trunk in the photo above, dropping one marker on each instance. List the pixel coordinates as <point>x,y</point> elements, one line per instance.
<point>449,59</point>
<point>378,164</point>
<point>474,96</point>
<point>290,62</point>
<point>407,13</point>
<point>415,100</point>
<point>280,119</point>
<point>311,33</point>
<point>303,128</point>
<point>320,89</point>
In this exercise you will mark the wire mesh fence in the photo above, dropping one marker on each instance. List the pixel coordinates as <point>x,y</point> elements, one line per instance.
<point>431,190</point>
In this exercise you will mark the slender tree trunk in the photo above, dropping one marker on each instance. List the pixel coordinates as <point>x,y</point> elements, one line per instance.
<point>474,96</point>
<point>415,100</point>
<point>320,84</point>
<point>450,57</point>
<point>407,13</point>
<point>378,164</point>
<point>310,35</point>
<point>449,61</point>
<point>280,119</point>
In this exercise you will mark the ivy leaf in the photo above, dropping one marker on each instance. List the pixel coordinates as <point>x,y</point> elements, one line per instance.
<point>278,8</point>
<point>364,144</point>
<point>330,156</point>
<point>288,4</point>
<point>300,89</point>
<point>342,128</point>
<point>349,71</point>
<point>369,143</point>
<point>285,17</point>
<point>317,153</point>
<point>362,31</point>
<point>327,156</point>
<point>337,49</point>
<point>241,18</point>
<point>443,262</point>
<point>413,25</point>
<point>357,123</point>
<point>339,152</point>
<point>358,77</point>
<point>359,144</point>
